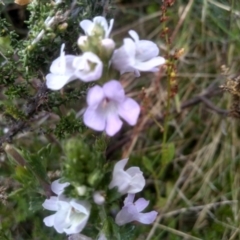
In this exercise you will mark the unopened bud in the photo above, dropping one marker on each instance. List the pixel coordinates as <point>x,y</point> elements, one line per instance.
<point>98,198</point>
<point>62,27</point>
<point>81,190</point>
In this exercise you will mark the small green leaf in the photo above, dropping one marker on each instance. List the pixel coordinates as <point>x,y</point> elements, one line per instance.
<point>148,164</point>
<point>168,152</point>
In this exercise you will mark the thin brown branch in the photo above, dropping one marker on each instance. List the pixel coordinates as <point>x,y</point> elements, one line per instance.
<point>32,107</point>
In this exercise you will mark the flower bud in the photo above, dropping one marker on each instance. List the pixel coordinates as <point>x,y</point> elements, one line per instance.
<point>108,46</point>
<point>98,198</point>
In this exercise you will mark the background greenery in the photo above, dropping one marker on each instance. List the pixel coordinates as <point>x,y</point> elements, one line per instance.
<point>192,168</point>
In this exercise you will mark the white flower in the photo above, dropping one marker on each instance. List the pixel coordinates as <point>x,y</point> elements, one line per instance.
<point>62,71</point>
<point>132,211</point>
<point>71,215</point>
<point>106,105</point>
<point>97,27</point>
<point>129,181</point>
<point>138,55</point>
<point>88,67</point>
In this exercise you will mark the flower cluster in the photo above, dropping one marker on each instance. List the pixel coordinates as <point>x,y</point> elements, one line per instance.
<point>130,182</point>
<point>107,104</point>
<point>72,215</point>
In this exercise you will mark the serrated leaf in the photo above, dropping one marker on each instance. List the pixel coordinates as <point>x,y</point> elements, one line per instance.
<point>35,163</point>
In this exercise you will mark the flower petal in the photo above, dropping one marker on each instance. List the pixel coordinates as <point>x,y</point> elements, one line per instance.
<point>134,35</point>
<point>129,199</point>
<point>113,124</point>
<point>81,206</point>
<point>102,22</point>
<point>137,182</point>
<point>147,218</point>
<point>120,180</point>
<point>126,215</point>
<point>110,28</point>
<point>58,187</point>
<point>141,204</point>
<point>95,96</point>
<point>51,204</point>
<point>56,82</point>
<point>129,110</point>
<point>94,119</point>
<point>86,25</point>
<point>123,58</point>
<point>60,220</point>
<point>88,67</point>
<point>114,90</point>
<point>146,50</point>
<point>120,165</point>
<point>147,66</point>
<point>49,221</point>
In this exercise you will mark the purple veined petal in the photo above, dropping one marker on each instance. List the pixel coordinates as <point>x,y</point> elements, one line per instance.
<point>94,119</point>
<point>58,187</point>
<point>49,221</point>
<point>141,204</point>
<point>95,96</point>
<point>110,28</point>
<point>51,204</point>
<point>134,35</point>
<point>120,180</point>
<point>146,50</point>
<point>149,65</point>
<point>87,26</point>
<point>147,218</point>
<point>113,124</point>
<point>129,199</point>
<point>126,215</point>
<point>129,110</point>
<point>114,91</point>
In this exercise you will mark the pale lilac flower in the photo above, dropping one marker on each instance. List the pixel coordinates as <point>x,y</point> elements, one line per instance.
<point>62,71</point>
<point>137,55</point>
<point>71,215</point>
<point>88,67</point>
<point>129,181</point>
<point>106,105</point>
<point>132,211</point>
<point>98,27</point>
